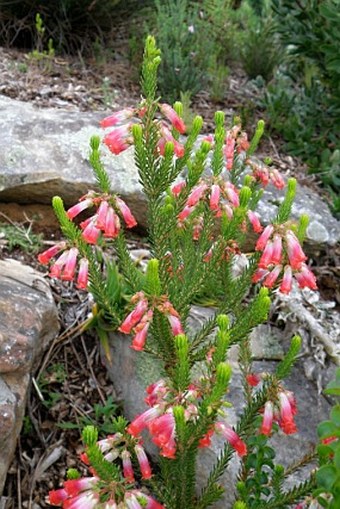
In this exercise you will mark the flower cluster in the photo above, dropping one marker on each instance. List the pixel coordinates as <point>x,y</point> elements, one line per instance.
<point>282,412</point>
<point>95,493</point>
<point>106,219</point>
<point>138,321</point>
<point>281,251</point>
<point>120,138</point>
<point>64,267</point>
<point>261,173</point>
<point>160,421</point>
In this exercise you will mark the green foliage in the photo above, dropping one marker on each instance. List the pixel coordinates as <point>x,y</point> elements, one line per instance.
<point>303,102</point>
<point>102,418</point>
<point>184,46</point>
<point>20,236</point>
<point>328,475</point>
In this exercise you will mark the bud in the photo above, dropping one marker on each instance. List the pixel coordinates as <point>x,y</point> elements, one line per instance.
<point>178,107</point>
<point>291,187</point>
<point>223,322</point>
<point>240,505</point>
<point>137,132</point>
<point>219,118</point>
<point>152,277</point>
<point>223,375</point>
<point>244,196</point>
<point>72,473</point>
<point>95,142</point>
<point>197,124</point>
<point>90,435</point>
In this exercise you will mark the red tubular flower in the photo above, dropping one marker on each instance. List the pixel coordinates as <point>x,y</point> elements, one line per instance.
<point>231,193</point>
<point>272,277</point>
<point>295,254</point>
<point>232,437</point>
<point>172,116</point>
<point>177,188</point>
<point>141,331</point>
<point>267,256</point>
<point>142,420</point>
<point>101,215</point>
<point>306,278</point>
<point>268,416</point>
<point>75,486</point>
<point>254,221</point>
<point>185,213</point>
<point>117,117</point>
<point>143,462</point>
<point>259,274</point>
<point>126,213</point>
<point>277,249</point>
<point>162,430</point>
<point>70,265</point>
<point>79,207</point>
<point>264,237</point>
<point>135,316</point>
<point>205,441</point>
<point>167,136</point>
<point>56,497</point>
<point>286,285</point>
<point>195,195</point>
<point>175,324</point>
<point>286,422</point>
<point>50,253</point>
<point>112,224</point>
<point>127,466</point>
<point>118,140</point>
<point>215,197</point>
<point>153,504</point>
<point>86,500</point>
<point>90,232</point>
<point>57,267</point>
<point>277,179</point>
<point>155,392</point>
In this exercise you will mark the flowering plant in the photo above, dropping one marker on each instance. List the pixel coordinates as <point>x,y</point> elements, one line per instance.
<point>197,227</point>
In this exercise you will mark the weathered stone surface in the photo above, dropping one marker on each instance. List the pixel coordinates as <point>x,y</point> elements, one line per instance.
<point>29,321</point>
<point>131,372</point>
<point>44,153</point>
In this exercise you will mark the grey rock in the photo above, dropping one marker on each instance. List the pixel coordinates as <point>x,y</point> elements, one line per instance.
<point>29,321</point>
<point>44,152</point>
<point>132,372</point>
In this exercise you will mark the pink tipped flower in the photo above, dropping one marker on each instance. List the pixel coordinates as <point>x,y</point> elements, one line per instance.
<point>86,500</point>
<point>177,188</point>
<point>254,221</point>
<point>268,416</point>
<point>111,228</point>
<point>141,330</point>
<point>156,393</point>
<point>91,233</point>
<point>118,140</point>
<point>117,117</point>
<point>101,215</point>
<point>79,207</point>
<point>130,221</point>
<point>134,317</point>
<point>162,430</point>
<point>47,255</point>
<point>232,194</point>
<point>127,466</point>
<point>253,380</point>
<point>75,486</point>
<point>267,255</point>
<point>70,265</point>
<point>271,278</point>
<point>277,249</point>
<point>215,197</point>
<point>205,441</point>
<point>175,119</point>
<point>175,324</point>
<point>195,195</point>
<point>286,422</point>
<point>277,179</point>
<point>229,151</point>
<point>143,462</point>
<point>306,278</point>
<point>56,497</point>
<point>295,254</point>
<point>185,213</point>
<point>232,437</point>
<point>142,421</point>
<point>264,237</point>
<point>83,274</point>
<point>286,285</point>
<point>259,274</point>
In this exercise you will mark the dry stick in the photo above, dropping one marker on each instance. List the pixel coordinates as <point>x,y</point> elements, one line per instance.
<point>102,397</point>
<point>19,487</point>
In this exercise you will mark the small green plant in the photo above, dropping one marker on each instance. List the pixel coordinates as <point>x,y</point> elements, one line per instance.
<point>218,74</point>
<point>101,417</point>
<point>19,236</point>
<point>43,57</point>
<point>109,94</point>
<point>328,475</point>
<point>53,377</point>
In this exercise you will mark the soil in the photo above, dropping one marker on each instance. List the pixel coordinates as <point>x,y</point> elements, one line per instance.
<point>71,380</point>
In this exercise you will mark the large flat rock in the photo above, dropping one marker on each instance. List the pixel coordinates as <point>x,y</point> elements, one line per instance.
<point>44,152</point>
<point>29,321</point>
